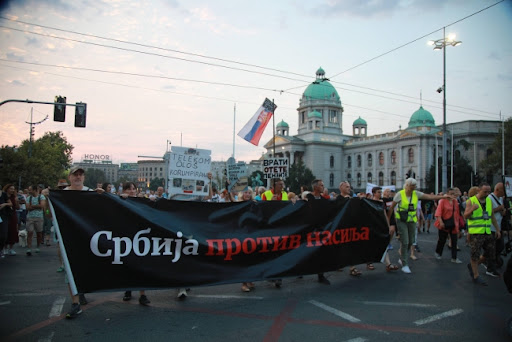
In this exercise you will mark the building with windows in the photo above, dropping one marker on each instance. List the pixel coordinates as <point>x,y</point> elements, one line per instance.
<point>151,169</point>
<point>110,170</point>
<point>382,159</point>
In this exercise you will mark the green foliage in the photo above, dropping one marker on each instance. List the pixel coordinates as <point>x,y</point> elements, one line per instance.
<point>299,175</point>
<point>51,157</point>
<point>155,183</point>
<point>462,170</point>
<point>93,177</point>
<point>493,163</point>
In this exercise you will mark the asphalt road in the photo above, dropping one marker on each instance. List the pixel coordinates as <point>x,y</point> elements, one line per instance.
<point>437,302</point>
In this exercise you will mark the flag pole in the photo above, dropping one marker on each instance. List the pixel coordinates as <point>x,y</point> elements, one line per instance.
<point>234,120</point>
<point>274,135</point>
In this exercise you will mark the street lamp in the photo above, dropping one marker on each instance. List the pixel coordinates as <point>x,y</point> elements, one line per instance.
<point>441,44</point>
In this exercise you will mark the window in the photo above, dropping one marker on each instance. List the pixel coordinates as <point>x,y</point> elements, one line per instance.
<point>310,125</point>
<point>331,161</point>
<point>393,157</point>
<point>331,180</point>
<point>393,178</point>
<point>317,124</point>
<point>302,117</point>
<point>333,118</point>
<point>358,160</point>
<point>370,162</point>
<point>411,155</point>
<point>349,177</point>
<point>349,162</point>
<point>381,179</point>
<point>381,158</point>
<point>370,178</point>
<point>358,179</point>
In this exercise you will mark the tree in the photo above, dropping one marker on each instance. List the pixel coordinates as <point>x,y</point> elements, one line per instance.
<point>493,163</point>
<point>51,157</point>
<point>299,175</point>
<point>93,177</point>
<point>155,183</point>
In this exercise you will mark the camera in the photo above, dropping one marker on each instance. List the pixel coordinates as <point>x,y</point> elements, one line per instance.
<point>440,89</point>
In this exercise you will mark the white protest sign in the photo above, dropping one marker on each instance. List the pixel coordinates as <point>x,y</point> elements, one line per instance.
<point>508,186</point>
<point>370,186</point>
<point>188,171</point>
<point>235,172</point>
<point>276,168</point>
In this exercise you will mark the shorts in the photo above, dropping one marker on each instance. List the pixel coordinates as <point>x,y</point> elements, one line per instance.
<point>35,223</point>
<point>479,241</point>
<point>428,216</point>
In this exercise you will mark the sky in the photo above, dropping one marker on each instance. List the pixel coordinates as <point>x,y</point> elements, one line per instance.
<point>160,73</point>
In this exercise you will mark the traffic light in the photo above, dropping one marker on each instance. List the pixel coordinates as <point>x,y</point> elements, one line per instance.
<point>59,110</point>
<point>80,114</point>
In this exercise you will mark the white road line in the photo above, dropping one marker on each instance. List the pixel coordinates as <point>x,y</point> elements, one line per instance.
<point>357,339</point>
<point>438,316</point>
<point>47,339</point>
<point>417,305</point>
<point>5,303</point>
<point>226,297</point>
<point>335,311</point>
<point>57,307</point>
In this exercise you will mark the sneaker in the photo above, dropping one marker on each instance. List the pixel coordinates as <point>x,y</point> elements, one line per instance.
<point>479,281</point>
<point>323,280</point>
<point>29,252</point>
<point>127,296</point>
<point>484,265</point>
<point>182,294</point>
<point>36,250</point>
<point>143,300</point>
<point>2,255</point>
<point>470,269</point>
<point>74,312</point>
<point>456,261</point>
<point>390,247</point>
<point>82,299</point>
<point>12,252</point>
<point>406,269</point>
<point>438,257</point>
<point>492,273</point>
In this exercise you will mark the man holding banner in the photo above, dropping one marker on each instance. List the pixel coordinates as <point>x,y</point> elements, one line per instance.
<point>276,193</point>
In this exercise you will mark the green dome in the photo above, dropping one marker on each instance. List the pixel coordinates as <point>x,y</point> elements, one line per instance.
<point>321,89</point>
<point>283,124</point>
<point>314,114</point>
<point>421,118</point>
<point>360,122</point>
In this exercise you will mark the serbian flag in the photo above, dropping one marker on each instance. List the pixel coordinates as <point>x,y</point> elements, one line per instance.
<point>253,130</point>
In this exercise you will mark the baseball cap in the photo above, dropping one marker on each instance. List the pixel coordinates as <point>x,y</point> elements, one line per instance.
<point>75,169</point>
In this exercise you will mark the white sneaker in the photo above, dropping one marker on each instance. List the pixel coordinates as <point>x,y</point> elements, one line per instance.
<point>438,257</point>
<point>182,293</point>
<point>456,261</point>
<point>12,252</point>
<point>406,269</point>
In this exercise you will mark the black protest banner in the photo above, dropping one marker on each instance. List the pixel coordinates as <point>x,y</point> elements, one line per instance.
<point>111,243</point>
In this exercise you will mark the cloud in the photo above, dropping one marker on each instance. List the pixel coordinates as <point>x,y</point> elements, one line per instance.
<point>351,8</point>
<point>494,56</point>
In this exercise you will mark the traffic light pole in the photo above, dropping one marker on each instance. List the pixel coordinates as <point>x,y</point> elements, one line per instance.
<point>40,102</point>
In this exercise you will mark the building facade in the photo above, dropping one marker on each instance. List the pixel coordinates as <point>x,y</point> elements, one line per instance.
<point>383,159</point>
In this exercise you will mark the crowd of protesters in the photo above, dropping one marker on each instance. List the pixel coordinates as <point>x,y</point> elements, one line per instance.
<point>481,217</point>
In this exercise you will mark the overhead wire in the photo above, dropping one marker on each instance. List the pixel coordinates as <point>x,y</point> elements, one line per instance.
<point>231,61</point>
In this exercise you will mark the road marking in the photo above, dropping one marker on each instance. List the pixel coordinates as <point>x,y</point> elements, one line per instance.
<point>227,297</point>
<point>335,312</point>
<point>57,307</point>
<point>438,316</point>
<point>5,303</point>
<point>417,305</point>
<point>357,339</point>
<point>47,339</point>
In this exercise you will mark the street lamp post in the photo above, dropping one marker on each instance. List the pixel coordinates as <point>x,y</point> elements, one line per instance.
<point>441,44</point>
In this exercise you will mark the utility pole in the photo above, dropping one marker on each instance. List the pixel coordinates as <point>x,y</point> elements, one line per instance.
<point>32,124</point>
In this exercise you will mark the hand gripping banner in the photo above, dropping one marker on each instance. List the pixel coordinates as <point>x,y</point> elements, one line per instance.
<point>110,243</point>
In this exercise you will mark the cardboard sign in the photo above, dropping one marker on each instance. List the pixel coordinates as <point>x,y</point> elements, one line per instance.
<point>276,168</point>
<point>188,171</point>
